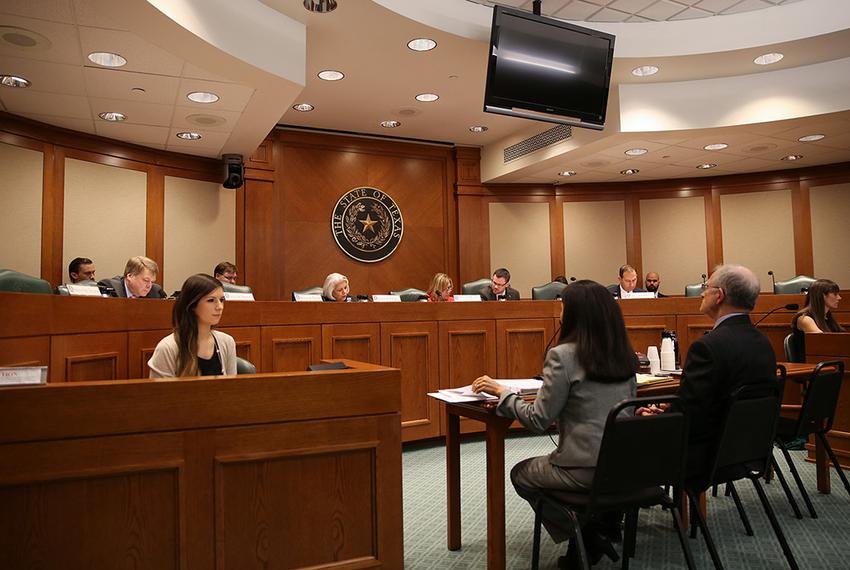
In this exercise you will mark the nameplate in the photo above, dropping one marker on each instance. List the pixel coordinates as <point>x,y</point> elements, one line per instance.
<point>83,290</point>
<point>640,295</point>
<point>308,297</point>
<point>386,298</point>
<point>23,375</point>
<point>467,298</point>
<point>232,296</point>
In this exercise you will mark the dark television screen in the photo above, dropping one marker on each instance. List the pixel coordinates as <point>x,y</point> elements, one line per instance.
<point>546,69</point>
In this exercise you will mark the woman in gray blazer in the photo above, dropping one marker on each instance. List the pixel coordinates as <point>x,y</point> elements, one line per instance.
<point>591,369</point>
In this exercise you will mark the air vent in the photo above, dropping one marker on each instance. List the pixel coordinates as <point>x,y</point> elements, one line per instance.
<point>544,139</point>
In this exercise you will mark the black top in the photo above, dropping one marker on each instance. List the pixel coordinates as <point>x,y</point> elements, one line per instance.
<point>211,366</point>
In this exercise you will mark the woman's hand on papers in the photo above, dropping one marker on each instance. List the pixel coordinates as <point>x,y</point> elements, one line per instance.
<point>488,386</point>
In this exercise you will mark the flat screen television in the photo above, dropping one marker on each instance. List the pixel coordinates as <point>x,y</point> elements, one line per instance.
<point>546,69</point>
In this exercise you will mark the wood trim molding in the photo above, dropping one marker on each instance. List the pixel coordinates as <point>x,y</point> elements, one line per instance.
<point>801,212</point>
<point>155,218</point>
<point>52,214</point>
<point>634,257</point>
<point>713,230</point>
<point>556,237</point>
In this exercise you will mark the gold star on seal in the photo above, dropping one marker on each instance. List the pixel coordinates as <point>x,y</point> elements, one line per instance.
<point>368,223</point>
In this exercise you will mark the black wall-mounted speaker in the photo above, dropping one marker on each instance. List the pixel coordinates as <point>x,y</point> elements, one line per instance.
<point>234,171</point>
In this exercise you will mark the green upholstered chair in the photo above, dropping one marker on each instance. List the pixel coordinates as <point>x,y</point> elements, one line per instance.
<point>474,287</point>
<point>694,290</point>
<point>17,282</point>
<point>548,292</point>
<point>244,366</point>
<point>793,286</point>
<point>411,294</point>
<point>232,288</point>
<point>317,290</point>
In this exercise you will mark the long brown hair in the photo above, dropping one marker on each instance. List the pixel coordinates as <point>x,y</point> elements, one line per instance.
<point>593,321</point>
<point>185,322</point>
<point>816,306</point>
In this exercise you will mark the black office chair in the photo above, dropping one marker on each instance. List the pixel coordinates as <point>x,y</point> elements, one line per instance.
<point>245,366</point>
<point>548,292</point>
<point>820,398</point>
<point>308,291</point>
<point>625,479</point>
<point>792,352</point>
<point>474,287</point>
<point>17,282</point>
<point>744,451</point>
<point>793,286</point>
<point>694,290</point>
<point>411,294</point>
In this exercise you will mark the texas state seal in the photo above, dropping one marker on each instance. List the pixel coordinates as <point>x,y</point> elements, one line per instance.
<point>367,224</point>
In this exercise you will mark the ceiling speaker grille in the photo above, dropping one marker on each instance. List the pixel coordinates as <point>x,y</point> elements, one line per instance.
<point>529,145</point>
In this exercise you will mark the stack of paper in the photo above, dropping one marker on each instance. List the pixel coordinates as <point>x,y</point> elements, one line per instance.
<point>523,387</point>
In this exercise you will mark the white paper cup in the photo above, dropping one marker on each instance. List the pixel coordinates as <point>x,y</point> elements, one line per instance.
<point>652,352</point>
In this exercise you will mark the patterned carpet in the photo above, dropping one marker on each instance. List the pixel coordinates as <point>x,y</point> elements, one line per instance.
<point>823,543</point>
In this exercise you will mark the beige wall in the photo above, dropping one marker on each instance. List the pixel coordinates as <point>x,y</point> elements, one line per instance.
<point>200,228</point>
<point>594,240</point>
<point>758,232</point>
<point>519,240</point>
<point>672,232</point>
<point>104,216</point>
<point>831,232</point>
<point>20,203</point>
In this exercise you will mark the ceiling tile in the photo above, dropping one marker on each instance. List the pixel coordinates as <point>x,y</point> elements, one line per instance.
<point>608,15</point>
<point>137,134</point>
<point>89,13</point>
<point>746,6</point>
<point>180,119</point>
<point>233,97</point>
<point>630,6</point>
<point>137,113</point>
<point>662,10</point>
<point>53,10</point>
<point>117,84</point>
<point>81,125</point>
<point>191,71</point>
<point>21,101</point>
<point>62,41</point>
<point>715,6</point>
<point>140,55</point>
<point>577,10</point>
<point>210,138</point>
<point>690,14</point>
<point>46,76</point>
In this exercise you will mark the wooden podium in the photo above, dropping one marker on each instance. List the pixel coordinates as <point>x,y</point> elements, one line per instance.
<point>286,470</point>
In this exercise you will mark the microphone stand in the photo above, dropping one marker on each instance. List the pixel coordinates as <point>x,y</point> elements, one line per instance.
<point>788,307</point>
<point>772,279</point>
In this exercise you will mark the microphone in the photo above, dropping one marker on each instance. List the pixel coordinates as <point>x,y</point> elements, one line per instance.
<point>788,307</point>
<point>773,279</point>
<point>551,340</point>
<point>572,278</point>
<point>703,279</point>
<point>361,298</point>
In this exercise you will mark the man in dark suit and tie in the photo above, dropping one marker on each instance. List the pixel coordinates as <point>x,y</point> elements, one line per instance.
<point>732,354</point>
<point>138,280</point>
<point>626,284</point>
<point>499,288</point>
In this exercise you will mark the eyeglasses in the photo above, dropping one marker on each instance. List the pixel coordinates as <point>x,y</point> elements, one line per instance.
<point>496,284</point>
<point>706,287</point>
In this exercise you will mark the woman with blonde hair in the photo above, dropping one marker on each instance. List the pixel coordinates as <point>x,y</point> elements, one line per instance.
<point>336,289</point>
<point>440,288</point>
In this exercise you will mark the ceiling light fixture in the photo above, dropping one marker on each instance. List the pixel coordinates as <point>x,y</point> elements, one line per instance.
<point>189,136</point>
<point>636,151</point>
<point>629,171</point>
<point>422,44</point>
<point>107,59</point>
<point>792,157</point>
<point>112,116</point>
<point>567,173</point>
<point>716,146</point>
<point>320,6</point>
<point>303,107</point>
<point>427,97</point>
<point>331,75</point>
<point>706,166</point>
<point>478,128</point>
<point>768,58</point>
<point>390,124</point>
<point>202,97</point>
<point>14,81</point>
<point>645,70</point>
<point>811,138</point>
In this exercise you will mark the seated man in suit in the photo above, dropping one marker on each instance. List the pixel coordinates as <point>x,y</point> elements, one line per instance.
<point>226,272</point>
<point>81,269</point>
<point>653,282</point>
<point>627,283</point>
<point>732,354</point>
<point>137,281</point>
<point>499,288</point>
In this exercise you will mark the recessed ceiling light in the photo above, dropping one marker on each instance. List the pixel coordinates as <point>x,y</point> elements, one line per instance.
<point>716,146</point>
<point>390,124</point>
<point>14,81</point>
<point>811,138</point>
<point>112,116</point>
<point>629,171</point>
<point>331,75</point>
<point>422,44</point>
<point>202,97</point>
<point>478,128</point>
<point>645,70</point>
<point>427,97</point>
<point>636,151</point>
<point>768,58</point>
<point>303,107</point>
<point>567,173</point>
<point>706,166</point>
<point>320,6</point>
<point>792,157</point>
<point>137,90</point>
<point>189,136</point>
<point>107,59</point>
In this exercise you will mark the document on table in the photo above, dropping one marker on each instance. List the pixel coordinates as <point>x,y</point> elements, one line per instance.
<point>522,386</point>
<point>651,378</point>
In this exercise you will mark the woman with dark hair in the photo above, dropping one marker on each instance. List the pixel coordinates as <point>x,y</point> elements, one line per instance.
<point>194,349</point>
<point>592,368</point>
<point>816,316</point>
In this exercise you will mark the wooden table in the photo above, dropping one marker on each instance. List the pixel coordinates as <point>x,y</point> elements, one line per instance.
<point>496,428</point>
